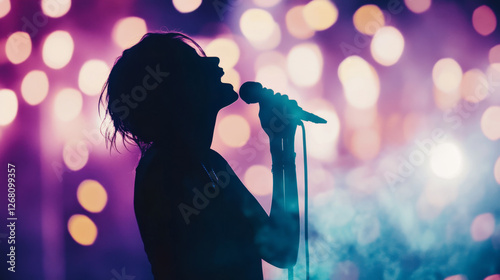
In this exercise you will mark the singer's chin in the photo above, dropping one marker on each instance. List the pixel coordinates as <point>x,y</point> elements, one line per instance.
<point>228,95</point>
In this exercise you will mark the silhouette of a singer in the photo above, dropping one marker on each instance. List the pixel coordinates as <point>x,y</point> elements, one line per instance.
<point>196,218</point>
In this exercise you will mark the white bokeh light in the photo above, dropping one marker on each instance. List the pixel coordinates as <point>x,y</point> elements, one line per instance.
<point>360,82</point>
<point>305,64</point>
<point>446,160</point>
<point>58,49</point>
<point>387,45</point>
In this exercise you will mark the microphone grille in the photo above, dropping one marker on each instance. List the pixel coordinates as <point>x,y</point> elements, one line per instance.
<point>250,92</point>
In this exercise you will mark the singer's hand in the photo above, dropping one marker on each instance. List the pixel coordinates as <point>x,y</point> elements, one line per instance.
<point>276,118</point>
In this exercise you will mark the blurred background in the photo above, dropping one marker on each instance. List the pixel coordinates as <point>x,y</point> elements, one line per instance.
<point>403,180</point>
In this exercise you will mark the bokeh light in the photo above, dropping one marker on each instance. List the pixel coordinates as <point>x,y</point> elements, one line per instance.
<point>58,49</point>
<point>82,229</point>
<point>456,277</point>
<point>68,104</point>
<point>296,23</point>
<point>496,170</point>
<point>35,87</point>
<point>226,50</point>
<point>18,47</point>
<point>272,76</point>
<point>368,19</point>
<point>259,180</point>
<point>186,6</point>
<point>231,76</point>
<point>489,123</point>
<point>359,81</point>
<point>8,106</point>
<point>365,143</point>
<point>320,14</point>
<point>494,54</point>
<point>387,45</point>
<point>75,154</point>
<point>266,3</point>
<point>418,6</point>
<point>446,160</point>
<point>447,75</point>
<point>257,25</point>
<point>474,87</point>
<point>92,76</point>
<point>55,8</point>
<point>4,8</point>
<point>482,227</point>
<point>234,130</point>
<point>493,277</point>
<point>484,20</point>
<point>323,138</point>
<point>305,64</point>
<point>92,196</point>
<point>128,31</point>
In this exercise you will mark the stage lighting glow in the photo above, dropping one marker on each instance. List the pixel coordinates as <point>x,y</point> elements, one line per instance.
<point>482,227</point>
<point>440,195</point>
<point>360,82</point>
<point>75,155</point>
<point>368,19</point>
<point>92,77</point>
<point>82,229</point>
<point>446,160</point>
<point>35,87</point>
<point>296,23</point>
<point>474,87</point>
<point>493,277</point>
<point>58,49</point>
<point>231,76</point>
<point>55,8</point>
<point>496,170</point>
<point>323,138</point>
<point>226,50</point>
<point>493,74</point>
<point>259,180</point>
<point>186,6</point>
<point>489,123</point>
<point>4,8</point>
<point>305,64</point>
<point>18,47</point>
<point>257,25</point>
<point>92,196</point>
<point>320,14</point>
<point>8,106</point>
<point>419,6</point>
<point>444,100</point>
<point>272,76</point>
<point>68,104</point>
<point>494,54</point>
<point>266,3</point>
<point>234,130</point>
<point>447,75</point>
<point>387,45</point>
<point>272,41</point>
<point>128,31</point>
<point>484,20</point>
<point>365,143</point>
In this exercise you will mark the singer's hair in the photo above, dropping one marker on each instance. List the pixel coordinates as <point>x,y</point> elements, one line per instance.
<point>141,80</point>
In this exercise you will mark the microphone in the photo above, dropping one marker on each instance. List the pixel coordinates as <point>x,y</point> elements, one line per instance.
<point>253,92</point>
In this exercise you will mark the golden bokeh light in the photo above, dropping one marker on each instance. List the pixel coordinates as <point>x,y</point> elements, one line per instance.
<point>18,47</point>
<point>272,41</point>
<point>35,87</point>
<point>257,25</point>
<point>92,76</point>
<point>320,14</point>
<point>234,130</point>
<point>4,8</point>
<point>296,23</point>
<point>360,118</point>
<point>482,227</point>
<point>259,180</point>
<point>92,196</point>
<point>489,123</point>
<point>58,49</point>
<point>365,143</point>
<point>446,100</point>
<point>447,75</point>
<point>186,6</point>
<point>272,76</point>
<point>128,31</point>
<point>75,154</point>
<point>226,50</point>
<point>474,86</point>
<point>387,45</point>
<point>68,104</point>
<point>266,3</point>
<point>368,19</point>
<point>8,106</point>
<point>82,229</point>
<point>360,82</point>
<point>323,138</point>
<point>305,64</point>
<point>55,8</point>
<point>231,76</point>
<point>418,6</point>
<point>484,20</point>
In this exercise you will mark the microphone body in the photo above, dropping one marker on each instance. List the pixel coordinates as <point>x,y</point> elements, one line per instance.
<point>253,92</point>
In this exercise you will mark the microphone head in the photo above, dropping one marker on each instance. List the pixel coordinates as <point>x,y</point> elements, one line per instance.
<point>251,92</point>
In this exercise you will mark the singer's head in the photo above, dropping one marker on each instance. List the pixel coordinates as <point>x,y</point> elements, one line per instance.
<point>164,88</point>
